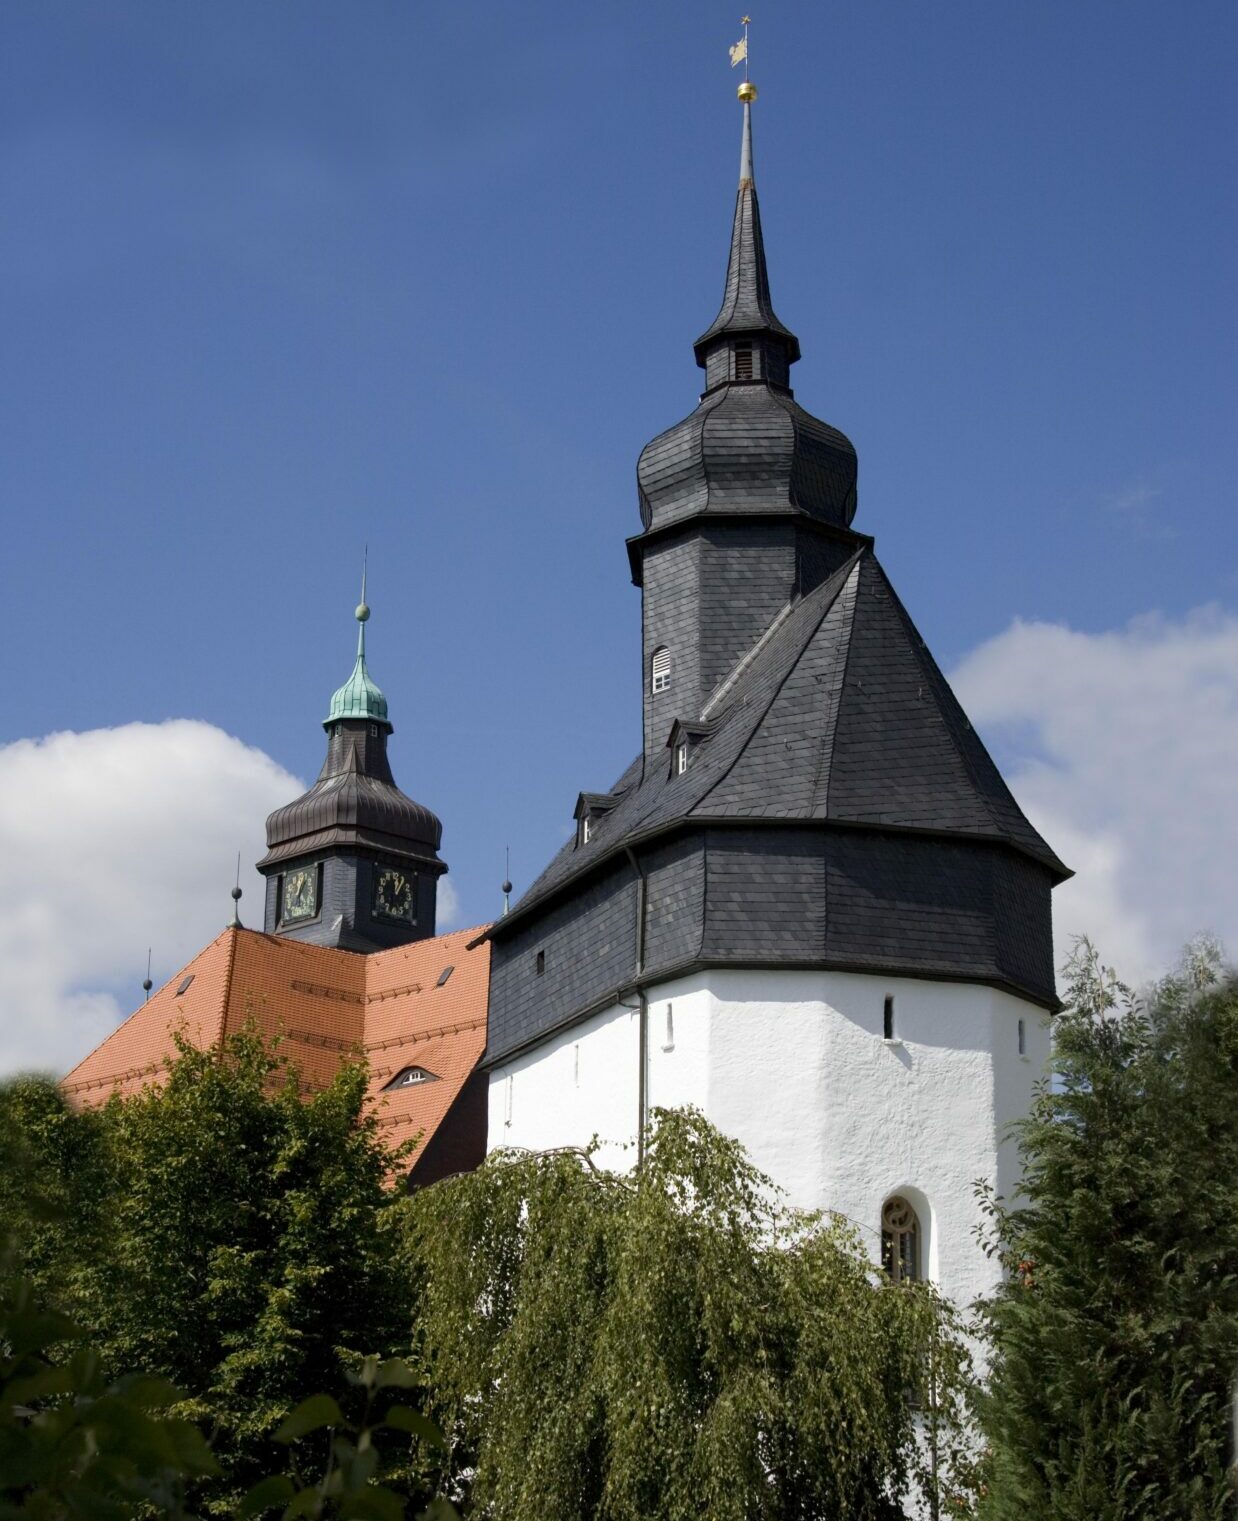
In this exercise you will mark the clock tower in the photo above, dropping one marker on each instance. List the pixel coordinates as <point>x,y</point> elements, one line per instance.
<point>353,863</point>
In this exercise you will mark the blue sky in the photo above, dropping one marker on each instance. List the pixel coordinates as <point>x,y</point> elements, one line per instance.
<point>282,279</point>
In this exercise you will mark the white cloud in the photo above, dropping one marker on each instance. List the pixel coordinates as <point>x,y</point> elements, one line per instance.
<point>111,841</point>
<point>1123,747</point>
<point>446,907</point>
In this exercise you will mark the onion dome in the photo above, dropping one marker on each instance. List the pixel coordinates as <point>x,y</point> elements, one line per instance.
<point>360,696</point>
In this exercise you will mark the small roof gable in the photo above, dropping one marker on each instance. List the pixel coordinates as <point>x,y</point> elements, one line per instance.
<point>328,1005</point>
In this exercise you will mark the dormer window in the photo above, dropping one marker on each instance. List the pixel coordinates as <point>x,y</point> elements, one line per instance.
<point>660,670</point>
<point>410,1077</point>
<point>743,361</point>
<point>591,809</point>
<point>682,742</point>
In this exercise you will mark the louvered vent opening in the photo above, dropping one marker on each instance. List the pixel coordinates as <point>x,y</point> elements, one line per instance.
<point>660,671</point>
<point>743,361</point>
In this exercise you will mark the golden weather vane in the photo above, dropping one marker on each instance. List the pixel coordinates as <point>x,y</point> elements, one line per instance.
<point>739,54</point>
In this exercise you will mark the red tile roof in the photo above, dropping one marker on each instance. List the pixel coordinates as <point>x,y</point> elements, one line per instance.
<point>327,1005</point>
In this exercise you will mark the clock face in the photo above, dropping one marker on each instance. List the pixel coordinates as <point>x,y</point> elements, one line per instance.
<point>394,895</point>
<point>300,894</point>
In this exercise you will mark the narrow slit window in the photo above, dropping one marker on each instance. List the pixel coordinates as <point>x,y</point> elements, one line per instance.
<point>1022,1039</point>
<point>660,670</point>
<point>887,1018</point>
<point>668,1040</point>
<point>541,963</point>
<point>900,1241</point>
<point>743,361</point>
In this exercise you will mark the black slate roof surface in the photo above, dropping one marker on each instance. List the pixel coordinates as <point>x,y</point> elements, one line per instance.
<point>839,714</point>
<point>748,448</point>
<point>355,801</point>
<point>746,303</point>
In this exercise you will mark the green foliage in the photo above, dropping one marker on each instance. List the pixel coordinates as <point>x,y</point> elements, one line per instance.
<point>671,1344</point>
<point>70,1443</point>
<point>225,1231</point>
<point>1116,1335</point>
<point>348,1486</point>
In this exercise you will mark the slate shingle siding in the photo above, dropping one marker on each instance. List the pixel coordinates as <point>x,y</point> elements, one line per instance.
<point>1024,923</point>
<point>672,579</point>
<point>818,558</point>
<point>589,943</point>
<point>922,905</point>
<point>674,902</point>
<point>747,576</point>
<point>765,896</point>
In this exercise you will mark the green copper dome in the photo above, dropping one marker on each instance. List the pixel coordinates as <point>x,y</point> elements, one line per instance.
<point>359,697</point>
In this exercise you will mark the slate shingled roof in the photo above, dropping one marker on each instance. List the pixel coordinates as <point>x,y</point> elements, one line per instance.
<point>839,717</point>
<point>747,449</point>
<point>328,1005</point>
<point>356,803</point>
<point>746,303</point>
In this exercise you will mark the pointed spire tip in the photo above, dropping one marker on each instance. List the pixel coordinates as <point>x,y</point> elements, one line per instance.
<point>745,152</point>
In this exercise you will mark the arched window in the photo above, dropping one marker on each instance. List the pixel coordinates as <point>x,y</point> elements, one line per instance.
<point>660,670</point>
<point>900,1241</point>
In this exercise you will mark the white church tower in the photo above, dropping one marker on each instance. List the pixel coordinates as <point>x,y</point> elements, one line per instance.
<point>810,906</point>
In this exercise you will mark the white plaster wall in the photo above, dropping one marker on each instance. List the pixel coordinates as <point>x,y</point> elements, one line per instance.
<point>580,1083</point>
<point>794,1064</point>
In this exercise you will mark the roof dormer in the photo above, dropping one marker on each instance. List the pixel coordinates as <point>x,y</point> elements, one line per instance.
<point>591,809</point>
<point>683,740</point>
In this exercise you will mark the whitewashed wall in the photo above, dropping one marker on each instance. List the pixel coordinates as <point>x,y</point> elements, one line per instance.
<point>794,1064</point>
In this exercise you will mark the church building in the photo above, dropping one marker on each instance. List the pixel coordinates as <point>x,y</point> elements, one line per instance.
<point>810,906</point>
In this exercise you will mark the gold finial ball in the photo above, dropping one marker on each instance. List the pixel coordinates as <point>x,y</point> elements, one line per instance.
<point>362,614</point>
<point>747,91</point>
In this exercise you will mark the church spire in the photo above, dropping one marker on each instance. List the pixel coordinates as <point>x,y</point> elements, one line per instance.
<point>360,696</point>
<point>747,313</point>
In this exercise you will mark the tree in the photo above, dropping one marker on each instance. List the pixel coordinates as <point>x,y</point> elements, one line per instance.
<point>1116,1333</point>
<point>227,1231</point>
<point>665,1345</point>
